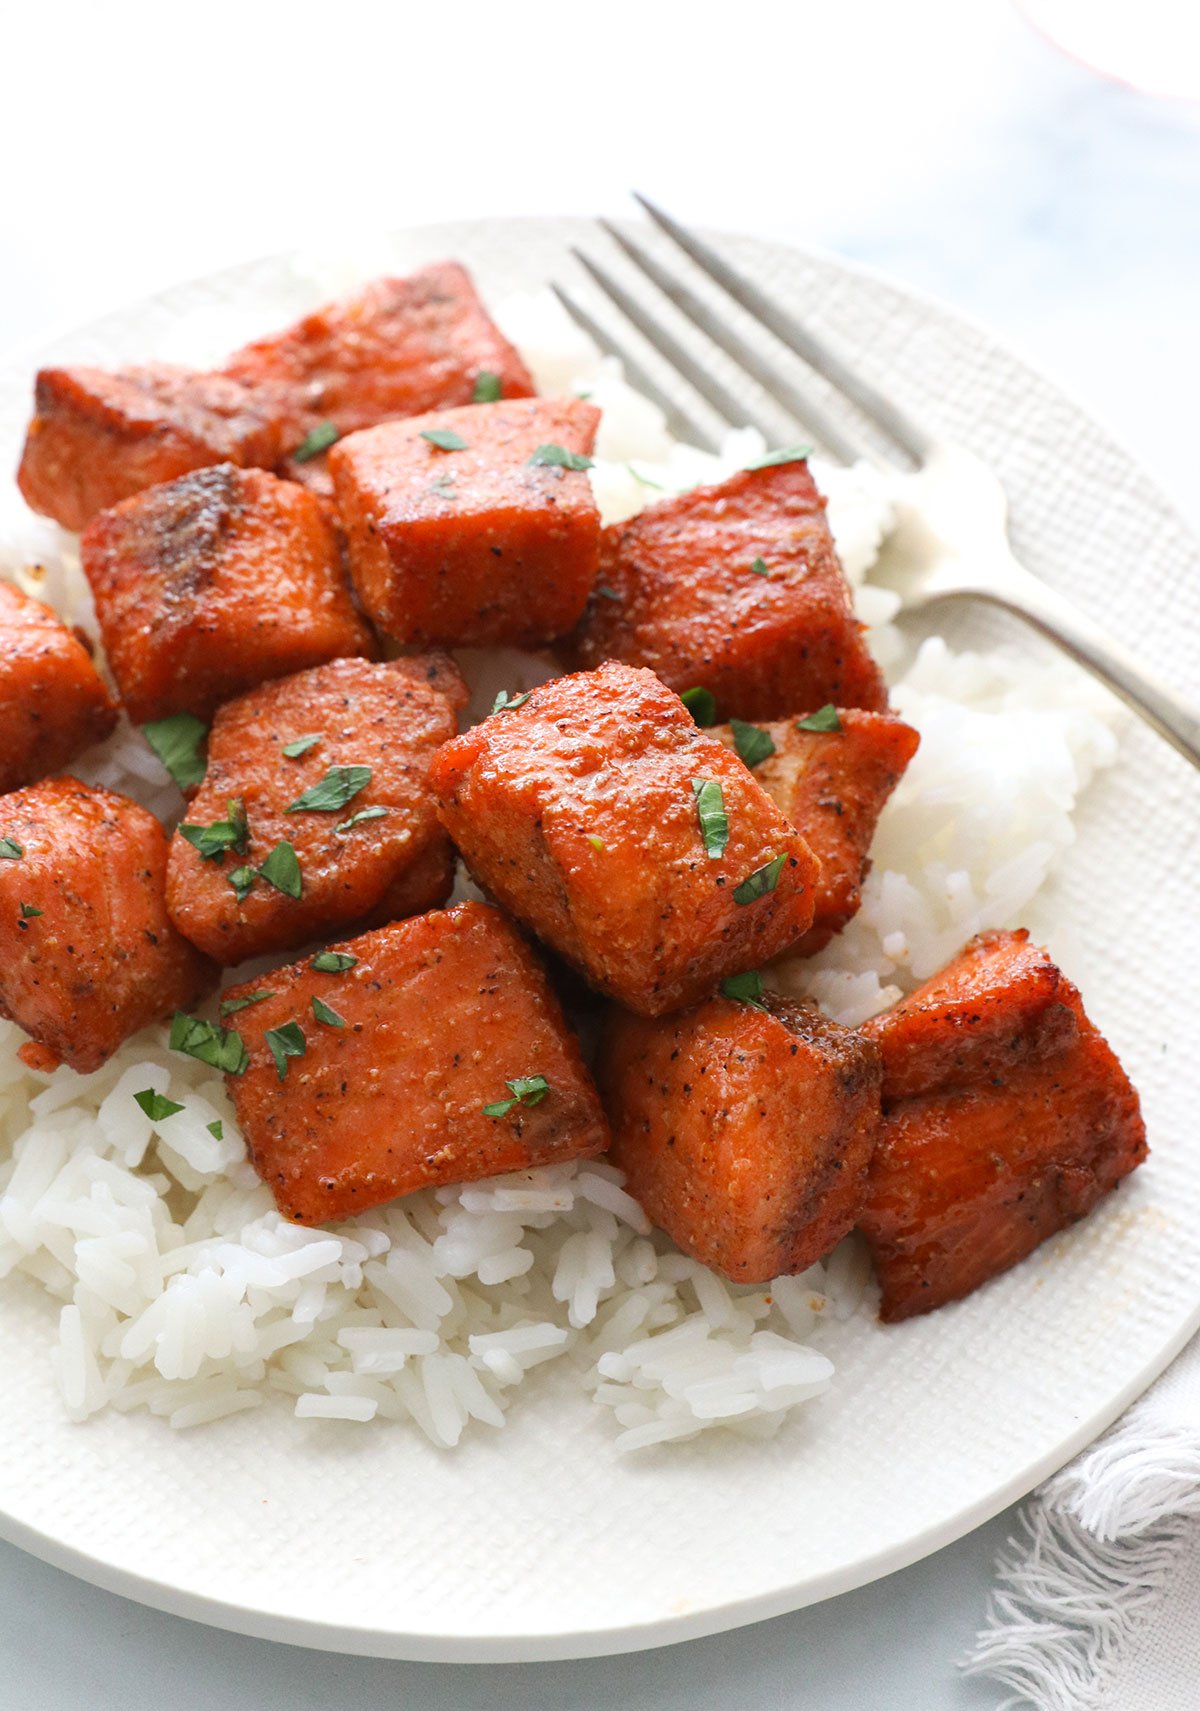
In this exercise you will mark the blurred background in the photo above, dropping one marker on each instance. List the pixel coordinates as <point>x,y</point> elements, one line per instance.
<point>950,143</point>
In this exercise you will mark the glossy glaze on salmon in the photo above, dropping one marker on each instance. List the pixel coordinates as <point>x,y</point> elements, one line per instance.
<point>53,701</point>
<point>413,1084</point>
<point>88,954</point>
<point>376,851</point>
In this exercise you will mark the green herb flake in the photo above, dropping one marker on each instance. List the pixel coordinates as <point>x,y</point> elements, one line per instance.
<point>231,834</point>
<point>156,1105</point>
<point>29,911</point>
<point>824,719</point>
<point>714,822</point>
<point>596,843</point>
<point>504,702</point>
<point>701,703</point>
<point>558,457</point>
<point>445,439</point>
<point>786,454</point>
<point>11,850</point>
<point>282,870</point>
<point>752,742</point>
<point>230,1006</point>
<point>339,786</point>
<point>216,1129</point>
<point>285,1041</point>
<point>489,388</point>
<point>178,742</point>
<point>360,818</point>
<point>760,567</point>
<point>332,962</point>
<point>301,745</point>
<point>605,592</point>
<point>526,1090</point>
<point>744,989</point>
<point>762,880</point>
<point>323,1013</point>
<point>220,1048</point>
<point>316,441</point>
<point>242,879</point>
<point>645,480</point>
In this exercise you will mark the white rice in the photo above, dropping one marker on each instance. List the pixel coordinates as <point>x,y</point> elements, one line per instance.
<point>183,1291</point>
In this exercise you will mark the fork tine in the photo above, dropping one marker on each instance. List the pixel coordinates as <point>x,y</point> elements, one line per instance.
<point>682,425</point>
<point>888,416</point>
<point>793,398</point>
<point>734,410</point>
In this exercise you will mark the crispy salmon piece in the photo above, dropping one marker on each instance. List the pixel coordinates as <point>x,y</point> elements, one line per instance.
<point>578,810</point>
<point>213,583</point>
<point>736,588</point>
<point>53,701</point>
<point>87,952</point>
<point>471,540</point>
<point>745,1131</point>
<point>98,437</point>
<point>1024,1122</point>
<point>412,1086</point>
<point>832,786</point>
<point>371,856</point>
<point>396,347</point>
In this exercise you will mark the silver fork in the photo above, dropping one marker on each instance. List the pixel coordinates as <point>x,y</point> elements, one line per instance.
<point>954,536</point>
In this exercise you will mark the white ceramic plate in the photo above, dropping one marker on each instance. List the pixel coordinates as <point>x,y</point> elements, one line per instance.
<point>537,1542</point>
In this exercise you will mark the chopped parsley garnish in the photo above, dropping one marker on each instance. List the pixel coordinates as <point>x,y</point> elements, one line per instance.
<point>558,457</point>
<point>445,439</point>
<point>229,1006</point>
<point>213,841</point>
<point>525,1090</point>
<point>596,843</point>
<point>701,703</point>
<point>282,870</point>
<point>242,879</point>
<point>178,742</point>
<point>332,962</point>
<point>786,454</point>
<point>358,819</point>
<point>301,745</point>
<point>11,850</point>
<point>29,910</point>
<point>744,988</point>
<point>504,702</point>
<point>824,719</point>
<point>714,822</point>
<point>760,567</point>
<point>443,486</point>
<point>216,1129</point>
<point>762,880</point>
<point>323,1013</point>
<point>316,441</point>
<point>339,786</point>
<point>488,388</point>
<point>645,479</point>
<point>220,1048</point>
<point>752,742</point>
<point>285,1041</point>
<point>156,1105</point>
<point>605,592</point>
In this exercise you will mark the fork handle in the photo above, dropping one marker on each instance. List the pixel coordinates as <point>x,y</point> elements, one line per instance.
<point>1089,643</point>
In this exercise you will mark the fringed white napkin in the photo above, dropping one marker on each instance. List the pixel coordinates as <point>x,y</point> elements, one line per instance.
<point>1099,1603</point>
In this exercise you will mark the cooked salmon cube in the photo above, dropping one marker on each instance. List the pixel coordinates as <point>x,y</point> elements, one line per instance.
<point>745,1129</point>
<point>1027,1122</point>
<point>213,583</point>
<point>352,739</point>
<point>98,437</point>
<point>631,842</point>
<point>1000,1003</point>
<point>439,1055</point>
<point>831,784</point>
<point>88,954</point>
<point>396,347</point>
<point>475,525</point>
<point>737,589</point>
<point>53,701</point>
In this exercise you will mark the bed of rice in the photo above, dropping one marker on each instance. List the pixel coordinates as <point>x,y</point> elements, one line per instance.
<point>183,1292</point>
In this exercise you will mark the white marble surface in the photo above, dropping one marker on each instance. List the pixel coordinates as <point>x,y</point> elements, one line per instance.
<point>941,142</point>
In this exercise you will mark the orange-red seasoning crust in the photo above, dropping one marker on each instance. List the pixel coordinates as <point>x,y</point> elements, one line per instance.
<point>53,701</point>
